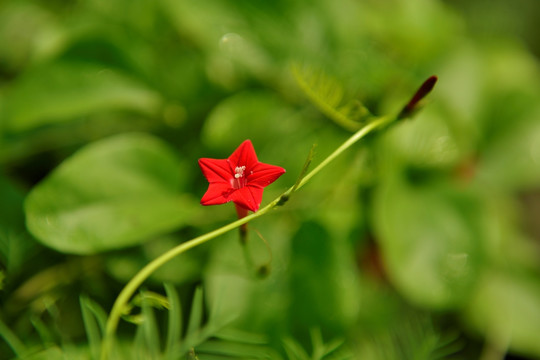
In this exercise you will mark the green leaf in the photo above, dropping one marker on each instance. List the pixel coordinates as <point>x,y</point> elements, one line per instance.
<point>430,239</point>
<point>94,319</point>
<point>317,278</point>
<point>64,91</point>
<point>196,333</point>
<point>254,114</point>
<point>111,194</point>
<point>326,93</point>
<point>8,336</point>
<point>320,349</point>
<point>240,336</point>
<point>42,36</point>
<point>146,343</point>
<point>426,142</point>
<point>149,328</point>
<point>409,337</point>
<point>174,330</point>
<point>294,350</point>
<point>52,353</point>
<point>196,313</point>
<point>47,334</point>
<point>219,349</point>
<point>202,22</point>
<point>512,161</point>
<point>152,299</point>
<point>505,309</point>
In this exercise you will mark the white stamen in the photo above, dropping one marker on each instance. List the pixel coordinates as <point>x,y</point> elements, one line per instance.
<point>239,171</point>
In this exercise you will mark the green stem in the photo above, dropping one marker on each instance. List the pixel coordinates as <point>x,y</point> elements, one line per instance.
<point>132,286</point>
<point>378,122</point>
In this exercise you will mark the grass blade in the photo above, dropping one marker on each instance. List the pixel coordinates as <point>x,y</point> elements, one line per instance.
<point>12,340</point>
<point>150,330</point>
<point>196,314</point>
<point>94,319</point>
<point>174,331</point>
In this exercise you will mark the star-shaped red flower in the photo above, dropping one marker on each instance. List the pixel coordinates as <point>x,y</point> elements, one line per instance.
<point>240,178</point>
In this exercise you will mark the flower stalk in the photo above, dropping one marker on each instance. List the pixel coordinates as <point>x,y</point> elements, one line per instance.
<point>242,212</point>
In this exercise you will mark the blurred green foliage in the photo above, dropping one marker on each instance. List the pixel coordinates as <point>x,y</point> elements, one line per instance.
<point>422,242</point>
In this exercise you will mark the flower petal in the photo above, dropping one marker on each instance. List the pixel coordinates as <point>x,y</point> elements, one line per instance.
<point>249,197</point>
<point>264,174</point>
<point>244,155</point>
<point>216,170</point>
<point>239,178</point>
<point>217,193</point>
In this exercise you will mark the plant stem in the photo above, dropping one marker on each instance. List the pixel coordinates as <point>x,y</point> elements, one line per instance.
<point>378,122</point>
<point>132,286</point>
<point>150,268</point>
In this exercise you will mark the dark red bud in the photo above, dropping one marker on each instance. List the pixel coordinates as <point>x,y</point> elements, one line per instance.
<point>412,105</point>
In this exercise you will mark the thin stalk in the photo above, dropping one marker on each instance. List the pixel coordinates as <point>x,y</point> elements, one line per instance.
<point>378,122</point>
<point>132,286</point>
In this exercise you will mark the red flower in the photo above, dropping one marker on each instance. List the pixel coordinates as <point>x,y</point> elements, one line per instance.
<point>240,178</point>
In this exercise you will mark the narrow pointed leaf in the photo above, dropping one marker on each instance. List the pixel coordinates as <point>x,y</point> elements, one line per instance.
<point>94,319</point>
<point>174,330</point>
<point>196,313</point>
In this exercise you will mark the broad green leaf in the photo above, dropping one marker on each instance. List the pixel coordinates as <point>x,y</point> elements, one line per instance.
<point>513,160</point>
<point>65,91</point>
<point>416,30</point>
<point>254,115</point>
<point>204,22</point>
<point>426,142</point>
<point>111,194</point>
<point>505,309</point>
<point>430,240</point>
<point>41,38</point>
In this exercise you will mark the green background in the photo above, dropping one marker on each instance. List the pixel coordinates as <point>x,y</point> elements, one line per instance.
<point>421,242</point>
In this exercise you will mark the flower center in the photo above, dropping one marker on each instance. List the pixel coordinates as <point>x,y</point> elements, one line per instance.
<point>239,180</point>
<point>239,172</point>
